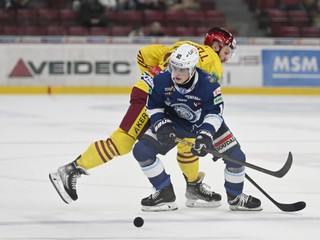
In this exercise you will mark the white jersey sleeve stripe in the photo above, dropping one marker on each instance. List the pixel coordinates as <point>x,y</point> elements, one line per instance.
<point>214,120</point>
<point>154,111</point>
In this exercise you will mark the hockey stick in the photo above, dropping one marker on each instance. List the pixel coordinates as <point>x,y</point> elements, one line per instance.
<point>280,173</point>
<point>286,207</point>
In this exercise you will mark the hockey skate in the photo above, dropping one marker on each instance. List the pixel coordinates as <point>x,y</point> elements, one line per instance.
<point>161,200</point>
<point>244,202</point>
<point>65,181</point>
<point>199,196</point>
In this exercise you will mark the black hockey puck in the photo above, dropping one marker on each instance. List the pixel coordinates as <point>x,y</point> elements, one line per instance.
<point>138,221</point>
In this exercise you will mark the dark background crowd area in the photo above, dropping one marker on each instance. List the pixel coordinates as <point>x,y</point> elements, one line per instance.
<point>272,18</point>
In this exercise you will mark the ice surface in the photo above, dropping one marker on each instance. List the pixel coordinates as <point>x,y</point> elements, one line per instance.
<point>39,133</point>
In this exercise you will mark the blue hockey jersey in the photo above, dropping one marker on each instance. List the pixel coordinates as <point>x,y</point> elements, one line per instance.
<point>190,111</point>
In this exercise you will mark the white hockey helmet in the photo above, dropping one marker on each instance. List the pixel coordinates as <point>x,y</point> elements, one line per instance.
<point>185,56</point>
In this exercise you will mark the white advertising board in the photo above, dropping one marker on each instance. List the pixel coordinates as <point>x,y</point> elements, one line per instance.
<point>244,69</point>
<point>114,65</point>
<point>68,65</point>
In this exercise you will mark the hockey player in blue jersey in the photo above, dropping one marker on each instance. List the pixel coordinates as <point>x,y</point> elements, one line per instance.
<point>185,102</point>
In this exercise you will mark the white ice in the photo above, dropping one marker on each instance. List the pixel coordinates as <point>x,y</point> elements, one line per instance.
<point>39,133</point>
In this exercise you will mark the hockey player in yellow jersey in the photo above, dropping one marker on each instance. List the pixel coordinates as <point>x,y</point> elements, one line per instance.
<point>218,47</point>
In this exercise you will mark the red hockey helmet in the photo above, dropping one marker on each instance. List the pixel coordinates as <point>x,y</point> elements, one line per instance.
<point>220,35</point>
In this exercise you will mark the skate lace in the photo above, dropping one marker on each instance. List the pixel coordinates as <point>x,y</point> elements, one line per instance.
<point>205,189</point>
<point>155,195</point>
<point>73,181</point>
<point>243,199</point>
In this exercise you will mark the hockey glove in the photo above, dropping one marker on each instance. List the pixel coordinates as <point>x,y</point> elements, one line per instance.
<point>203,142</point>
<point>165,133</point>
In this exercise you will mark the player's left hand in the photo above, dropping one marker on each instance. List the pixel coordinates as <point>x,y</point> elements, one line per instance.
<point>165,133</point>
<point>203,142</point>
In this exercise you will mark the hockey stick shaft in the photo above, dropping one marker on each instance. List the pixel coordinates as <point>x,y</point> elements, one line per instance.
<point>280,173</point>
<point>286,207</point>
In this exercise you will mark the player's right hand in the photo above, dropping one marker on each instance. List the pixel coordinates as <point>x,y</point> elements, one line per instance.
<point>203,142</point>
<point>165,132</point>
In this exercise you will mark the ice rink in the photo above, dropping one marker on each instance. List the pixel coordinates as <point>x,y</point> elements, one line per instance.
<point>39,133</point>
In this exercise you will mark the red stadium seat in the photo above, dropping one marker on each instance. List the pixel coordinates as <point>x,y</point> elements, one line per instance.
<point>120,30</point>
<point>310,32</point>
<point>201,31</point>
<point>289,31</point>
<point>174,18</point>
<point>195,18</point>
<point>184,31</point>
<point>57,31</point>
<point>114,16</point>
<point>12,30</point>
<point>169,31</point>
<point>152,16</point>
<point>277,19</point>
<point>27,17</point>
<point>214,18</point>
<point>132,17</point>
<point>48,17</point>
<point>68,17</point>
<point>299,18</point>
<point>78,31</point>
<point>99,31</point>
<point>7,17</point>
<point>35,31</point>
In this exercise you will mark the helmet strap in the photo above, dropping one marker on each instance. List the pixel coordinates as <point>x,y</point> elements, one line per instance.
<point>187,86</point>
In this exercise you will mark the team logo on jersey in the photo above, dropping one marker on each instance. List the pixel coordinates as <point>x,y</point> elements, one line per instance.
<point>185,112</point>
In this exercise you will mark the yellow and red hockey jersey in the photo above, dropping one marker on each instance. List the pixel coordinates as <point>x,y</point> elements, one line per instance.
<point>154,58</point>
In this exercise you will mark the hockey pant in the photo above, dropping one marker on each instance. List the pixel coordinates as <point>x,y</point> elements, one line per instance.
<point>146,150</point>
<point>132,127</point>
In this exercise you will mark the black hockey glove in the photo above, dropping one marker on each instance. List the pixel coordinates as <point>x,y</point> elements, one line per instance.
<point>165,133</point>
<point>203,142</point>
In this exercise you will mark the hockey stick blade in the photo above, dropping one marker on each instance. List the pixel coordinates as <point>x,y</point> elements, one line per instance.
<point>279,174</point>
<point>286,207</point>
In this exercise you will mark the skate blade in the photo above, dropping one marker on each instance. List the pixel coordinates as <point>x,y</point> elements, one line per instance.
<point>244,209</point>
<point>172,206</point>
<point>202,204</point>
<point>55,179</point>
